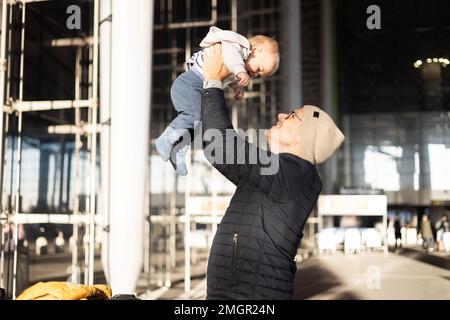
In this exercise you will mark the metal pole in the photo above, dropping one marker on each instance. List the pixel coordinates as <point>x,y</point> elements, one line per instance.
<point>75,192</point>
<point>10,17</point>
<point>385,238</point>
<point>328,81</point>
<point>291,67</point>
<point>187,225</point>
<point>85,241</point>
<point>187,243</point>
<point>3,62</point>
<point>234,26</point>
<point>173,195</point>
<point>4,208</point>
<point>171,238</point>
<point>105,116</point>
<point>234,15</point>
<point>2,132</point>
<point>19,149</point>
<point>147,234</point>
<point>187,211</point>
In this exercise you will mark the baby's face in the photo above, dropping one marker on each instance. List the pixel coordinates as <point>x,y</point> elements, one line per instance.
<point>261,62</point>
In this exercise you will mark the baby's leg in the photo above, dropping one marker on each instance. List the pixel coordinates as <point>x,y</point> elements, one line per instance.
<point>189,112</point>
<point>180,94</point>
<point>186,98</point>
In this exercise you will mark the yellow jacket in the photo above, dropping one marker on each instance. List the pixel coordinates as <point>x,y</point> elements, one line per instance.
<point>65,291</point>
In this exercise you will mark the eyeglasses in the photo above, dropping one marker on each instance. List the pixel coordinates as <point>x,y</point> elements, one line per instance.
<point>293,113</point>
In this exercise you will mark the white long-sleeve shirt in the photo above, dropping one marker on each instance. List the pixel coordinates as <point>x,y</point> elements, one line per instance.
<point>235,50</point>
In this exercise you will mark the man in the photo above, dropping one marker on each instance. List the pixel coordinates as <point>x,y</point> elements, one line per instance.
<point>427,234</point>
<point>252,255</point>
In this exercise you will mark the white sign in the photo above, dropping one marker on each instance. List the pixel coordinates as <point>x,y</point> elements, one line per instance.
<point>354,205</point>
<point>440,195</point>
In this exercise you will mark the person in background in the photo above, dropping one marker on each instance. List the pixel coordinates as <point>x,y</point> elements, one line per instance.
<point>427,234</point>
<point>442,226</point>
<point>398,233</point>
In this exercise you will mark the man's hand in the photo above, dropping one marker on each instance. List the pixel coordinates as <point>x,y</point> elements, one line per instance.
<point>238,93</point>
<point>213,67</point>
<point>244,79</point>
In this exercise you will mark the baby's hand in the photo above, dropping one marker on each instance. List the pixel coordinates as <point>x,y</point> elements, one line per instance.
<point>244,79</point>
<point>238,93</point>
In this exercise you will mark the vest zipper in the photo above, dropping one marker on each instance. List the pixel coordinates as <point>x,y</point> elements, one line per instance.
<point>234,257</point>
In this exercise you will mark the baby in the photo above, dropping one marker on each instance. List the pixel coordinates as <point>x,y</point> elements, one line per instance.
<point>244,58</point>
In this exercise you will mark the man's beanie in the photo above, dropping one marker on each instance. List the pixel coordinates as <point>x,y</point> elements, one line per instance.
<point>319,136</point>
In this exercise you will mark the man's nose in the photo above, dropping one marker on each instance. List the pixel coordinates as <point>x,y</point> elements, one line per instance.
<point>282,116</point>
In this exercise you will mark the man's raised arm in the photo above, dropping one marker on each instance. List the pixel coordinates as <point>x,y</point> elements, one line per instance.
<point>228,152</point>
<point>214,108</point>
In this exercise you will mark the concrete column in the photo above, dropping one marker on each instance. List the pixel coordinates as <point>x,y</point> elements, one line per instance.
<point>291,58</point>
<point>62,177</point>
<point>105,115</point>
<point>131,62</point>
<point>405,168</point>
<point>432,86</point>
<point>329,84</point>
<point>424,156</point>
<point>44,163</point>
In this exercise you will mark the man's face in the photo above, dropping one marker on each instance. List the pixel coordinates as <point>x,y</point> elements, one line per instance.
<point>286,131</point>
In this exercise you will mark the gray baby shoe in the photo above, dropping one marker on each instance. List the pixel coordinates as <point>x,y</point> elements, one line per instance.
<point>179,163</point>
<point>164,143</point>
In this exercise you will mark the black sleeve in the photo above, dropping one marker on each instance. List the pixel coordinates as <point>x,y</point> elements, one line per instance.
<point>235,158</point>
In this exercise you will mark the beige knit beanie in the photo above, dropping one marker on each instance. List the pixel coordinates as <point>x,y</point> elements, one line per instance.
<point>319,136</point>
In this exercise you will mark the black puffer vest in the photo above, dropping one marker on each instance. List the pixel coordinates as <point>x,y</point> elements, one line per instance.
<point>252,255</point>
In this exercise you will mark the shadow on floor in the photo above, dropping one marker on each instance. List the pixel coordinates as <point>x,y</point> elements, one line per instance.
<point>437,259</point>
<point>313,279</point>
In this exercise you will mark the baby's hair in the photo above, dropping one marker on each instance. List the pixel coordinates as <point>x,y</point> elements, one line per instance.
<point>271,43</point>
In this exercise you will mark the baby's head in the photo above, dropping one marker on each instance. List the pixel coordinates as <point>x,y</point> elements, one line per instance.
<point>264,58</point>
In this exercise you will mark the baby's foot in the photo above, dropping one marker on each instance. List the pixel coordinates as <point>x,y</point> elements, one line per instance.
<point>163,147</point>
<point>165,142</point>
<point>179,163</point>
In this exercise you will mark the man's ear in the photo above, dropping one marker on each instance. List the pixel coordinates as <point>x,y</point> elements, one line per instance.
<point>255,49</point>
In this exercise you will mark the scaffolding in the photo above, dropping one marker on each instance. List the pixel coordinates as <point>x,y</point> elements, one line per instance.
<point>17,106</point>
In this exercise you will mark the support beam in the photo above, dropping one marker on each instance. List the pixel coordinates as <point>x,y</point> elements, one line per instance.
<point>3,63</point>
<point>328,83</point>
<point>105,116</point>
<point>132,25</point>
<point>291,55</point>
<point>58,218</point>
<point>25,106</point>
<point>44,164</point>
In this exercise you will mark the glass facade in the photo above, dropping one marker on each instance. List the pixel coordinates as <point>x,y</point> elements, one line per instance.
<point>394,99</point>
<point>405,153</point>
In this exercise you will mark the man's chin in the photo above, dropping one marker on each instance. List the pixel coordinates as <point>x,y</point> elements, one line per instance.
<point>269,131</point>
<point>268,140</point>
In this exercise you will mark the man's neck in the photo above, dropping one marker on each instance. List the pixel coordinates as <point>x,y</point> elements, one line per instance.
<point>288,149</point>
